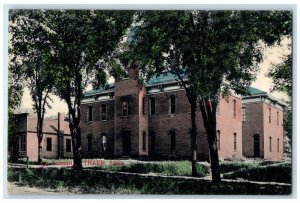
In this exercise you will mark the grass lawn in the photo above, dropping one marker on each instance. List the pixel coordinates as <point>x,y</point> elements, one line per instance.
<point>273,173</point>
<point>95,181</point>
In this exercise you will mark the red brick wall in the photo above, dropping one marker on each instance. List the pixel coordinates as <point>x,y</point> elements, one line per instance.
<point>228,124</point>
<point>274,131</point>
<point>162,123</point>
<point>253,125</point>
<point>96,128</point>
<point>257,122</point>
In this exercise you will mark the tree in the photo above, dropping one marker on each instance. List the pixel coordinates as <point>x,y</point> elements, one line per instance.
<point>282,79</point>
<point>32,51</point>
<point>282,74</point>
<point>217,51</point>
<point>15,93</point>
<point>83,40</point>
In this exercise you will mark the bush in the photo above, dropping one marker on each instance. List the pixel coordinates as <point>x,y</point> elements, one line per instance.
<point>182,168</point>
<point>277,173</point>
<point>230,166</point>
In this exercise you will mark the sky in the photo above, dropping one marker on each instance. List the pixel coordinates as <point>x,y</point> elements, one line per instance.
<point>271,55</point>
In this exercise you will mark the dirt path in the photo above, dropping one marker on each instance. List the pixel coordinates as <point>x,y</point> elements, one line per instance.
<point>15,189</point>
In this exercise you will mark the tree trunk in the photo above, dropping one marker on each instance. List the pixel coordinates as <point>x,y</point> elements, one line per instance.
<point>193,132</point>
<point>40,139</point>
<point>76,143</point>
<point>208,111</point>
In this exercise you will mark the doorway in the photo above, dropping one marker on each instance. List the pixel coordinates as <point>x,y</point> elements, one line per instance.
<point>256,146</point>
<point>126,142</point>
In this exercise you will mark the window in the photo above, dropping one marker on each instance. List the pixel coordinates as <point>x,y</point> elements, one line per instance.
<point>103,142</point>
<point>152,137</point>
<point>277,118</point>
<point>103,112</point>
<point>49,144</point>
<point>126,111</point>
<point>143,106</point>
<point>90,143</point>
<point>218,140</point>
<point>270,144</point>
<point>234,108</point>
<point>277,144</point>
<point>269,115</point>
<point>152,106</point>
<point>68,145</point>
<point>172,101</point>
<point>234,141</point>
<point>90,113</point>
<point>173,140</point>
<point>244,114</point>
<point>144,140</point>
<point>22,145</point>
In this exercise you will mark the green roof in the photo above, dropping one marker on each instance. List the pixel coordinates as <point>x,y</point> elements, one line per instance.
<point>165,77</point>
<point>106,88</point>
<point>254,91</point>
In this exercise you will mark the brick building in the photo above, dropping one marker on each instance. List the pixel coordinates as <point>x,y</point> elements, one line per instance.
<point>263,134</point>
<point>56,137</point>
<point>125,120</point>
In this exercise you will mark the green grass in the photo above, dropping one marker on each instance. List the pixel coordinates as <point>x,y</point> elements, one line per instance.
<point>278,173</point>
<point>181,168</point>
<point>229,166</point>
<point>95,181</point>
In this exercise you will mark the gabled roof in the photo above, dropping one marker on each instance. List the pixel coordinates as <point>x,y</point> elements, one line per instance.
<point>49,126</point>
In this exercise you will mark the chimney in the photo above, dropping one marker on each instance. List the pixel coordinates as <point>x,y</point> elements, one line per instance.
<point>133,73</point>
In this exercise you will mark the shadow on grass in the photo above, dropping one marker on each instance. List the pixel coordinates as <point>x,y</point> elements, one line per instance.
<point>93,181</point>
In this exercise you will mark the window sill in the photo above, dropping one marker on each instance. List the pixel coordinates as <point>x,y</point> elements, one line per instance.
<point>172,115</point>
<point>90,122</point>
<point>103,120</point>
<point>125,116</point>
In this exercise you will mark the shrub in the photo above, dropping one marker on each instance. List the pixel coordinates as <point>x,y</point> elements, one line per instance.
<point>273,173</point>
<point>230,166</point>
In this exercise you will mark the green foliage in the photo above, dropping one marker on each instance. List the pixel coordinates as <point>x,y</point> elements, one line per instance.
<point>233,166</point>
<point>282,76</point>
<point>93,181</point>
<point>274,173</point>
<point>182,168</point>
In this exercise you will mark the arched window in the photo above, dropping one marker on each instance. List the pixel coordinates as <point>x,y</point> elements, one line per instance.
<point>234,108</point>
<point>218,140</point>
<point>270,144</point>
<point>90,114</point>
<point>103,112</point>
<point>144,141</point>
<point>90,143</point>
<point>173,140</point>
<point>152,106</point>
<point>103,142</point>
<point>234,141</point>
<point>172,100</point>
<point>269,115</point>
<point>244,114</point>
